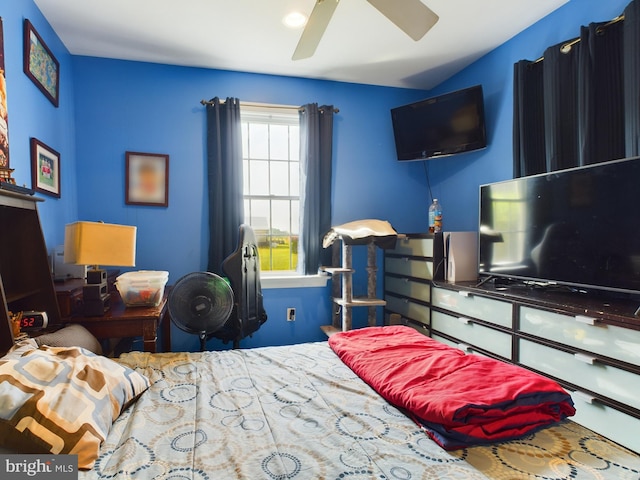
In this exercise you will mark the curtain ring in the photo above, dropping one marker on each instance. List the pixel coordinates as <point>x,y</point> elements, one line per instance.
<point>566,48</point>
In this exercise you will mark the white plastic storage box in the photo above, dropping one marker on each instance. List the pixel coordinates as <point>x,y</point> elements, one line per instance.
<point>143,288</point>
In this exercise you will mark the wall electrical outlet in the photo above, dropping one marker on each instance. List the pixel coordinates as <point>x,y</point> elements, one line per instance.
<point>291,314</point>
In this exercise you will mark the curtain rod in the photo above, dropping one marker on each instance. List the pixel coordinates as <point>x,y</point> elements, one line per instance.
<point>263,105</point>
<point>566,48</point>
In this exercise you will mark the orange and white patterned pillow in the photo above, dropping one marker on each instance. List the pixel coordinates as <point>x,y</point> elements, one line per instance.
<point>62,400</point>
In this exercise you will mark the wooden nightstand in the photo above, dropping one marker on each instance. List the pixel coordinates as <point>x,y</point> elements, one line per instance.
<point>120,321</point>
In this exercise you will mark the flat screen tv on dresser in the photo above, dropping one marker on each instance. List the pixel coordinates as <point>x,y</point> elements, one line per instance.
<point>578,228</point>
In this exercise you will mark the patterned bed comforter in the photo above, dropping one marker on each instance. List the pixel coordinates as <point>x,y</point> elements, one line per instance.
<point>298,412</point>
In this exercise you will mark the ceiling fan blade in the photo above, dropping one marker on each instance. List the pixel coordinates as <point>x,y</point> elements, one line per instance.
<point>411,16</point>
<point>316,25</point>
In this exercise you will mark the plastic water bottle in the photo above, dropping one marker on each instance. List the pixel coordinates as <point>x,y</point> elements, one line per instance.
<point>435,217</point>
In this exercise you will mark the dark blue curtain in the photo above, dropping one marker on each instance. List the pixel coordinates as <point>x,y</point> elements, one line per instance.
<point>632,78</point>
<point>559,81</point>
<point>316,145</point>
<point>529,151</point>
<point>569,107</point>
<point>224,173</point>
<point>601,131</point>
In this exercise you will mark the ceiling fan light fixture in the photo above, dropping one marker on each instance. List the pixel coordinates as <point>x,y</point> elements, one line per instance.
<point>295,20</point>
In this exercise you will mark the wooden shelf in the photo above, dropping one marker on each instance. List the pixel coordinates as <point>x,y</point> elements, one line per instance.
<point>360,302</point>
<point>16,296</point>
<point>25,276</point>
<point>342,288</point>
<point>329,330</point>
<point>337,270</point>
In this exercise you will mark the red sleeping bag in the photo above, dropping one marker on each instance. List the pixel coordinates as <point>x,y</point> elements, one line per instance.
<point>460,400</point>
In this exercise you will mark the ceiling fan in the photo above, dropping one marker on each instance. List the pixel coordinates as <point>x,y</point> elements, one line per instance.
<point>412,17</point>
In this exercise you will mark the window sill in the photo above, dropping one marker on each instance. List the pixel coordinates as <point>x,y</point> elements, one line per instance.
<point>293,281</point>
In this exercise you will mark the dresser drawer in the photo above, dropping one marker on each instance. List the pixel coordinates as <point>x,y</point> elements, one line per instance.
<point>408,288</point>
<point>483,308</point>
<point>419,327</point>
<point>420,247</point>
<point>477,335</point>
<point>582,370</point>
<point>409,267</point>
<point>608,340</point>
<point>407,308</point>
<point>446,341</point>
<point>460,346</point>
<point>607,421</point>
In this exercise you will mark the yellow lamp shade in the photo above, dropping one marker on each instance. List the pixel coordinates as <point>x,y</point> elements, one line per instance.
<point>97,243</point>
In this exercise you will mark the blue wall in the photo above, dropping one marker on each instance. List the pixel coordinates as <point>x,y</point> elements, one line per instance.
<point>108,107</point>
<point>455,180</point>
<point>31,114</point>
<point>134,106</point>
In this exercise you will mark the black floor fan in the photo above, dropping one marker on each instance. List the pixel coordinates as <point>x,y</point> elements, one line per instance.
<point>200,303</point>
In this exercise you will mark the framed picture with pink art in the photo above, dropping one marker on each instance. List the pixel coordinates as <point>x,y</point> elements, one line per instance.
<point>45,169</point>
<point>147,179</point>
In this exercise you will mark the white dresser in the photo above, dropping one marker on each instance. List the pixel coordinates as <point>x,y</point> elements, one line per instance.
<point>590,345</point>
<point>408,271</point>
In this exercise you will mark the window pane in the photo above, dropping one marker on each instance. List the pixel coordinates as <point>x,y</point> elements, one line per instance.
<point>294,142</point>
<point>245,139</point>
<point>280,178</point>
<point>281,239</point>
<point>245,177</point>
<point>295,217</point>
<point>279,141</point>
<point>294,179</point>
<point>259,218</point>
<point>259,178</point>
<point>258,140</point>
<point>281,216</point>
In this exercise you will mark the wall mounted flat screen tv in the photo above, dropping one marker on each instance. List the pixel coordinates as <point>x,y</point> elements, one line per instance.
<point>444,125</point>
<point>578,227</point>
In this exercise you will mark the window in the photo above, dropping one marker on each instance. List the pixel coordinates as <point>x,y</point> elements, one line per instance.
<point>511,218</point>
<point>271,168</point>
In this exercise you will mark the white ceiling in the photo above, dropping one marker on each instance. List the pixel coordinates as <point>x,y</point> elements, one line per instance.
<point>360,45</point>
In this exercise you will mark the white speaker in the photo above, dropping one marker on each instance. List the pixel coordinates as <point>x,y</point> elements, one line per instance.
<point>460,256</point>
<point>65,271</point>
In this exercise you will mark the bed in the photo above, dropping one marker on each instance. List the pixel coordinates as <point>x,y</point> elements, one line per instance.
<point>298,412</point>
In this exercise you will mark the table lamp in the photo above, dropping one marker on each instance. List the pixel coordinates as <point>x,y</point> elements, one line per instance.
<point>99,244</point>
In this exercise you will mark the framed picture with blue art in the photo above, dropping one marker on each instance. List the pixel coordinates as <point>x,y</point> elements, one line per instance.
<point>40,65</point>
<point>45,168</point>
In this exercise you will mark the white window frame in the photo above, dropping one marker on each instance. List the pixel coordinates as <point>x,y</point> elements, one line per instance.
<point>281,114</point>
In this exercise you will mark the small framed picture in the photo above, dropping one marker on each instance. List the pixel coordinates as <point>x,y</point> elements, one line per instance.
<point>45,168</point>
<point>40,65</point>
<point>147,179</point>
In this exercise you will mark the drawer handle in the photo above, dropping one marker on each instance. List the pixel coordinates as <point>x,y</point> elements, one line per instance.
<point>464,320</point>
<point>405,280</point>
<point>462,293</point>
<point>586,320</point>
<point>405,259</point>
<point>585,358</point>
<point>464,347</point>
<point>585,397</point>
<point>406,301</point>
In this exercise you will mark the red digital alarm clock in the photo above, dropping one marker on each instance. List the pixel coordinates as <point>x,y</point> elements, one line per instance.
<point>33,320</point>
